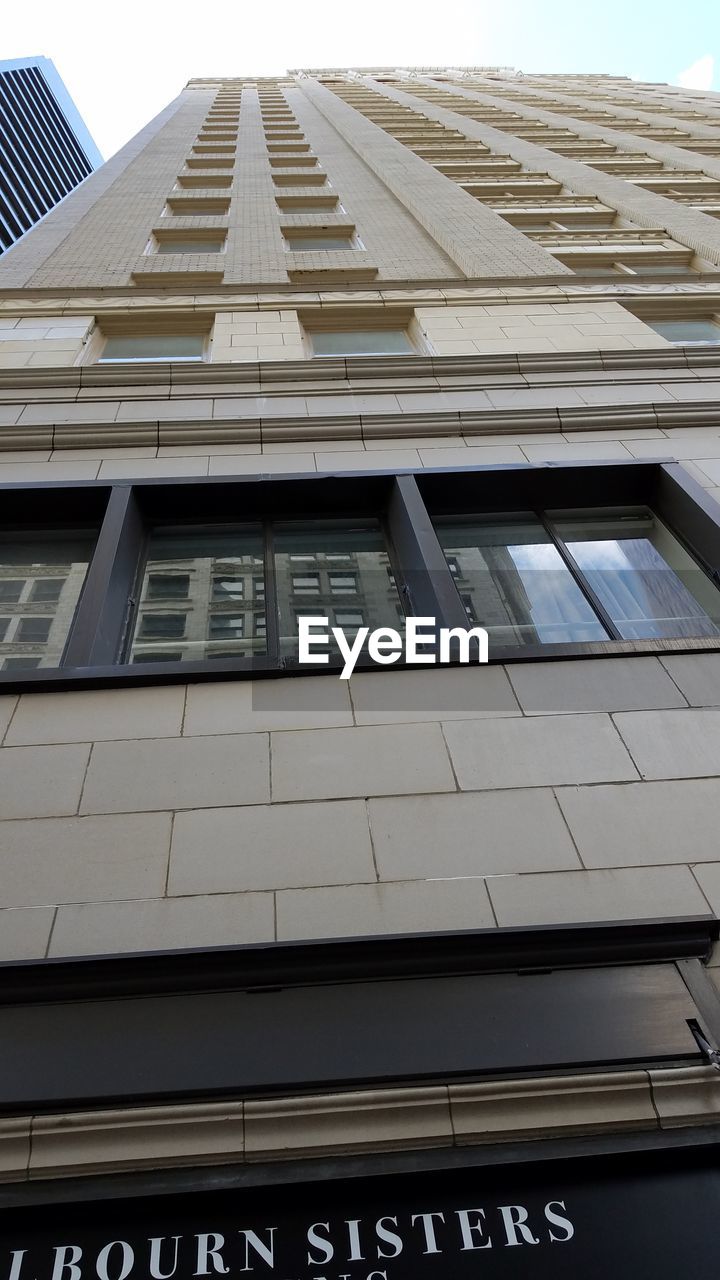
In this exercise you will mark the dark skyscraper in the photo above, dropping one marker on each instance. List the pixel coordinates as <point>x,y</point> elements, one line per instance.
<point>45,148</point>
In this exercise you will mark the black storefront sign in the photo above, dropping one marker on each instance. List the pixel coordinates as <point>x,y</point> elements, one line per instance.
<point>612,1218</point>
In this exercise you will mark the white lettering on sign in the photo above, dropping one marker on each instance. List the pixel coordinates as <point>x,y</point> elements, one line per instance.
<point>260,1251</point>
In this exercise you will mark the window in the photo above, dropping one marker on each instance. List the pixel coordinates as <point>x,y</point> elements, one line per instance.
<point>228,588</point>
<point>320,542</point>
<point>33,630</point>
<point>580,576</point>
<point>162,626</point>
<point>687,332</point>
<point>210,569</point>
<point>361,342</point>
<point>343,584</point>
<point>11,589</point>
<point>152,347</point>
<point>37,626</point>
<point>168,586</point>
<point>299,243</point>
<point>294,204</point>
<point>46,590</point>
<point>227,627</point>
<point>569,560</point>
<point>349,619</point>
<point>306,584</point>
<point>641,575</point>
<point>190,244</point>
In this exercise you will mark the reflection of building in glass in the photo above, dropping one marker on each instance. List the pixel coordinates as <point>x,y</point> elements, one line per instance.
<point>210,602</point>
<point>341,574</point>
<point>512,581</point>
<point>202,606</point>
<point>39,590</point>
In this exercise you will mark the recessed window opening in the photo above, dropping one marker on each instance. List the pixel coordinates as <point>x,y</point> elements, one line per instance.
<point>701,331</point>
<point>559,577</point>
<point>360,342</point>
<point>120,348</point>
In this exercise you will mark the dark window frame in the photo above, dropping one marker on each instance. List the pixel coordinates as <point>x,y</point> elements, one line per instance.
<point>404,502</point>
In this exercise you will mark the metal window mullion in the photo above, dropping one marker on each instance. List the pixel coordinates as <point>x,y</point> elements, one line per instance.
<point>576,572</point>
<point>272,619</point>
<point>425,581</point>
<point>97,632</point>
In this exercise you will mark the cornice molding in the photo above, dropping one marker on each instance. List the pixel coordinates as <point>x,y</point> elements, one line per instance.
<point>390,1119</point>
<point>236,297</point>
<point>355,371</point>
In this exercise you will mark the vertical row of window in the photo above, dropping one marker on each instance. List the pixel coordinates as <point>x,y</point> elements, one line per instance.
<point>199,189</point>
<point>580,232</point>
<point>301,186</point>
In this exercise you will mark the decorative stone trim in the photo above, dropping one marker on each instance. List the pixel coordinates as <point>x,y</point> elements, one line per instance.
<point>357,372</point>
<point>401,1119</point>
<point>14,1148</point>
<point>551,1107</point>
<point>471,424</point>
<point>105,1141</point>
<point>690,1096</point>
<point>372,1120</point>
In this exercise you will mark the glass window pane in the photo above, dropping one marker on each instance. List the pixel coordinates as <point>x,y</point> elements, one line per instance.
<point>650,586</point>
<point>686,330</point>
<point>513,581</point>
<point>46,590</point>
<point>376,602</point>
<point>158,346</point>
<point>190,246</point>
<point>309,244</point>
<point>41,577</point>
<point>11,589</point>
<point>229,588</point>
<point>213,570</point>
<point>357,342</point>
<point>168,586</point>
<point>162,626</point>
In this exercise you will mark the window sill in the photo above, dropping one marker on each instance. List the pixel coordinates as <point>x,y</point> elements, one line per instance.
<point>129,675</point>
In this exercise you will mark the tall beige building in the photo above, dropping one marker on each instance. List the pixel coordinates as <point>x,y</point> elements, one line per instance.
<point>333,979</point>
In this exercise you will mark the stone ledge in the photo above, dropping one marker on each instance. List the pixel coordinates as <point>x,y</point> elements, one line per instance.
<point>108,1141</point>
<point>360,1121</point>
<point>471,424</point>
<point>14,1149</point>
<point>358,368</point>
<point>551,1107</point>
<point>685,1097</point>
<point>371,1120</point>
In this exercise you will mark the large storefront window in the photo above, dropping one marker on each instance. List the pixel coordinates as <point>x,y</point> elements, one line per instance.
<point>213,577</point>
<point>579,576</point>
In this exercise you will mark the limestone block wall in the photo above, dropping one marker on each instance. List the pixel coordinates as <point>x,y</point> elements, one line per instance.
<point>538,326</point>
<point>42,341</point>
<point>243,811</point>
<point>216,813</point>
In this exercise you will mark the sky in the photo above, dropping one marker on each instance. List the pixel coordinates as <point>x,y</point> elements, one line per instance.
<point>122,72</point>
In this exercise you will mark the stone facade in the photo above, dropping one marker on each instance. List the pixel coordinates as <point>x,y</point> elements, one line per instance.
<point>203,814</point>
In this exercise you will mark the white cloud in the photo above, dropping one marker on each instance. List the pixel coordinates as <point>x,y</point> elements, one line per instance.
<point>699,75</point>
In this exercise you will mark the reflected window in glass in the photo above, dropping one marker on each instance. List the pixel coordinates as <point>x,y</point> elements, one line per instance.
<point>214,568</point>
<point>52,565</point>
<point>321,542</point>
